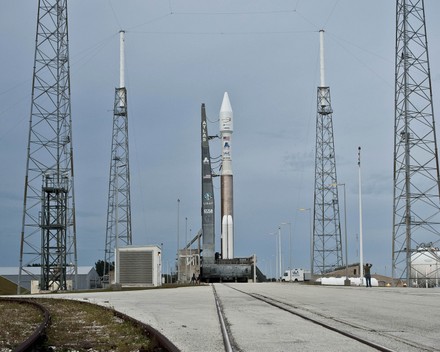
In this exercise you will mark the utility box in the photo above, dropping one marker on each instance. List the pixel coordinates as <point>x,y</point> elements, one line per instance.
<point>138,266</point>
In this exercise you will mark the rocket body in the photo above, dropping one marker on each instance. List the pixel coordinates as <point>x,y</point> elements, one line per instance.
<point>208,204</point>
<point>227,195</point>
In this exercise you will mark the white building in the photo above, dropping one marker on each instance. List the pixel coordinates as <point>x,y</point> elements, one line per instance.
<point>87,277</point>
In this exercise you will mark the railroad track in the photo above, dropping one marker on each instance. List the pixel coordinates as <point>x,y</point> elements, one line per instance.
<point>226,333</point>
<point>326,322</point>
<point>164,345</point>
<point>33,341</point>
<point>339,325</point>
<point>39,333</point>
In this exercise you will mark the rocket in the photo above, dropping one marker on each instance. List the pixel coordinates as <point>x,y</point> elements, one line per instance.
<point>227,196</point>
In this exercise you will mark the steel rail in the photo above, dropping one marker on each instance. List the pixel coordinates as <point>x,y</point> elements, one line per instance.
<point>152,333</point>
<point>225,333</point>
<point>157,337</point>
<point>31,343</point>
<point>39,333</point>
<point>279,305</point>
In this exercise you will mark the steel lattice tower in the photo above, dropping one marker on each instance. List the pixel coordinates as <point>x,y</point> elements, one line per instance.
<point>416,209</point>
<point>327,248</point>
<point>119,205</point>
<point>48,234</point>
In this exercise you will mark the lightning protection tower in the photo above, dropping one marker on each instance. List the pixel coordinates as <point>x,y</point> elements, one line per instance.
<point>48,233</point>
<point>416,208</point>
<point>327,249</point>
<point>119,206</point>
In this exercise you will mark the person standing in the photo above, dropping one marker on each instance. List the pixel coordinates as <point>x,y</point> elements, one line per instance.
<point>367,273</point>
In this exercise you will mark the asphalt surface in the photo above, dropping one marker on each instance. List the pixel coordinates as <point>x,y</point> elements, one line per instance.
<point>401,319</point>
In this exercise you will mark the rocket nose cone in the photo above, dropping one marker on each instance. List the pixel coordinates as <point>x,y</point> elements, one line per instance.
<point>226,104</point>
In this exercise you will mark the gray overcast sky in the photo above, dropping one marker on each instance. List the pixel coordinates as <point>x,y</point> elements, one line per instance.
<point>180,54</point>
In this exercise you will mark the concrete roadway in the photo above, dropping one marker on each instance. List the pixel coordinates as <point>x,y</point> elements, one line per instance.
<point>382,315</point>
<point>402,319</point>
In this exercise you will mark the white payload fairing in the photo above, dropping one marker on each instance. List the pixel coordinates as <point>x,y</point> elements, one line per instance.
<point>227,196</point>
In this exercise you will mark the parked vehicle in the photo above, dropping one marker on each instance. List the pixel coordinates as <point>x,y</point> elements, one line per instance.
<point>297,275</point>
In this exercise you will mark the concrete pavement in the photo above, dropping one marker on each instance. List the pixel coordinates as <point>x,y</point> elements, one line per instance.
<point>187,316</point>
<point>402,319</point>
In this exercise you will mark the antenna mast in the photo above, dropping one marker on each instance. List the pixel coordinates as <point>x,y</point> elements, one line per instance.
<point>119,206</point>
<point>327,248</point>
<point>416,208</point>
<point>48,233</point>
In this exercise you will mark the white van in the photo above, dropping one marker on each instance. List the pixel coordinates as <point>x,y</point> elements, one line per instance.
<point>297,275</point>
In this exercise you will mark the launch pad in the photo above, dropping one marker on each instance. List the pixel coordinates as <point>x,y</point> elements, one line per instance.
<point>230,270</point>
<point>191,263</point>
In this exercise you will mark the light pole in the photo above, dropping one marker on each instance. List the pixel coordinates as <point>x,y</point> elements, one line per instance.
<point>178,240</point>
<point>279,252</point>
<point>311,237</point>
<point>276,255</point>
<point>190,255</point>
<point>347,280</point>
<point>290,247</point>
<point>186,241</point>
<point>361,251</point>
<point>162,268</point>
<point>270,267</point>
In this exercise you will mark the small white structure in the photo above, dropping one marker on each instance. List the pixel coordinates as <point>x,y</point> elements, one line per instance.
<point>339,281</point>
<point>425,266</point>
<point>138,266</point>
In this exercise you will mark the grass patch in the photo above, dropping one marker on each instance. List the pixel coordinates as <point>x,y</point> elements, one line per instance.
<point>17,321</point>
<point>81,326</point>
<point>75,326</point>
<point>9,288</point>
